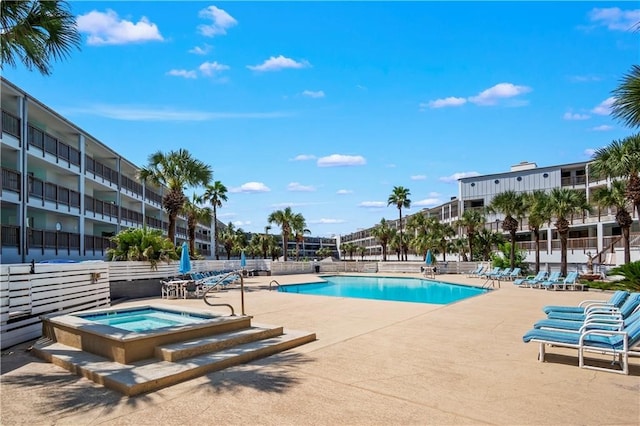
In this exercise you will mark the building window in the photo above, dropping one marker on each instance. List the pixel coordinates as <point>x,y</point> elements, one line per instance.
<point>496,181</point>
<point>545,175</point>
<point>473,184</point>
<point>519,178</point>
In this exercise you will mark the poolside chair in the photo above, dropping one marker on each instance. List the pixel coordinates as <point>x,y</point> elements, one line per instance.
<point>513,274</point>
<point>625,309</point>
<point>487,274</point>
<point>618,343</point>
<point>500,275</point>
<point>617,299</point>
<point>573,282</point>
<point>596,320</point>
<point>530,280</point>
<point>554,278</point>
<point>476,271</point>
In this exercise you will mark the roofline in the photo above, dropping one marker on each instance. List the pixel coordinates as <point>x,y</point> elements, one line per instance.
<point>470,178</point>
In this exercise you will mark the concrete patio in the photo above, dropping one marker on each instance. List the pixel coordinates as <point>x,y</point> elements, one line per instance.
<point>374,362</point>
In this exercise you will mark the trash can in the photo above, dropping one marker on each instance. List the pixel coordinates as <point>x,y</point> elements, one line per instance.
<point>316,268</point>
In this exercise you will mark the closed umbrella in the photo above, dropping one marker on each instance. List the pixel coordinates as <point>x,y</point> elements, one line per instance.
<point>243,260</point>
<point>429,258</point>
<point>185,262</point>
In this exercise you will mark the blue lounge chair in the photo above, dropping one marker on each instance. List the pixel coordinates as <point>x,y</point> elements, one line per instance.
<point>513,274</point>
<point>617,299</point>
<point>625,310</point>
<point>554,278</point>
<point>570,280</point>
<point>487,274</point>
<point>531,281</point>
<point>618,343</point>
<point>501,274</point>
<point>476,271</point>
<point>602,321</point>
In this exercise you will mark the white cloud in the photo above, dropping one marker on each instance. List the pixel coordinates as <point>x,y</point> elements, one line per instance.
<point>583,78</point>
<point>344,191</point>
<point>278,63</point>
<point>297,187</point>
<point>434,194</point>
<point>220,22</point>
<point>304,157</point>
<point>251,187</point>
<point>427,202</point>
<point>604,107</point>
<point>418,177</point>
<point>325,221</point>
<point>451,101</point>
<point>312,94</point>
<point>201,50</point>
<point>183,73</point>
<point>284,205</point>
<point>360,87</point>
<point>615,19</point>
<point>589,152</point>
<point>240,223</point>
<point>211,68</point>
<point>141,113</point>
<point>225,215</point>
<point>337,160</point>
<point>107,28</point>
<point>454,177</point>
<point>492,95</point>
<point>575,116</point>
<point>390,166</point>
<point>372,204</point>
<point>602,128</point>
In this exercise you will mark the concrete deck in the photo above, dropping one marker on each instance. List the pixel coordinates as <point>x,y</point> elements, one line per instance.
<point>374,362</point>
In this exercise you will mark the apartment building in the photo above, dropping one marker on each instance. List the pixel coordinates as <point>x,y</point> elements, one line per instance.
<point>596,234</point>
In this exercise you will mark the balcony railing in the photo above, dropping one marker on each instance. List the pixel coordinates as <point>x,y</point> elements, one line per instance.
<point>152,222</point>
<point>131,216</point>
<point>53,146</point>
<point>55,193</point>
<point>99,207</point>
<point>131,185</point>
<point>10,237</point>
<point>10,180</point>
<point>59,242</point>
<point>11,124</point>
<point>98,169</point>
<point>153,196</point>
<point>573,180</point>
<point>94,245</point>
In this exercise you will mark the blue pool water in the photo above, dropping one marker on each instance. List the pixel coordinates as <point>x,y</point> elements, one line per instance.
<point>387,288</point>
<point>144,319</point>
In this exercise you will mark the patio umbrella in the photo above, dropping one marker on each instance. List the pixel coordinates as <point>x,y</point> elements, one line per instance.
<point>243,260</point>
<point>185,262</point>
<point>429,258</point>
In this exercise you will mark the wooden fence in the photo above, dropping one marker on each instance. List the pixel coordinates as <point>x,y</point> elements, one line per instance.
<point>26,294</point>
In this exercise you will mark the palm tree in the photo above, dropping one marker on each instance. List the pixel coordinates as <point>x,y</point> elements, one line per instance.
<point>510,203</point>
<point>626,106</point>
<point>400,198</point>
<point>621,159</point>
<point>175,170</point>
<point>460,245</point>
<point>442,233</point>
<point>285,219</point>
<point>299,228</point>
<point>215,194</point>
<point>537,203</point>
<point>36,32</point>
<point>383,233</point>
<point>362,250</point>
<point>471,220</point>
<point>564,203</point>
<point>232,239</point>
<point>615,197</point>
<point>348,248</point>
<point>195,214</point>
<point>487,240</point>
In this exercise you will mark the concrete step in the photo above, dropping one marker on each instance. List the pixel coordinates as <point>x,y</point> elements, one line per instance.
<point>177,351</point>
<point>152,374</point>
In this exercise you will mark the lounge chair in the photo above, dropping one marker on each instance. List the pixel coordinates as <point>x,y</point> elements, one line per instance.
<point>596,320</point>
<point>476,271</point>
<point>501,274</point>
<point>487,274</point>
<point>569,280</point>
<point>513,274</point>
<point>530,280</point>
<point>625,309</point>
<point>554,278</point>
<point>617,299</point>
<point>618,343</point>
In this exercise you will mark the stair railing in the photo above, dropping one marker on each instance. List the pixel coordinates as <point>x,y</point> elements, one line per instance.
<point>218,283</point>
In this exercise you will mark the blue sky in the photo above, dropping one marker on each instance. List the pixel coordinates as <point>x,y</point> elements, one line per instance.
<point>326,106</point>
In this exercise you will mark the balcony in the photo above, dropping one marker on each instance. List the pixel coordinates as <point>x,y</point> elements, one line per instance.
<point>131,185</point>
<point>152,222</point>
<point>100,170</point>
<point>154,197</point>
<point>573,180</point>
<point>58,242</point>
<point>10,237</point>
<point>51,145</point>
<point>100,208</point>
<point>11,124</point>
<point>57,194</point>
<point>131,216</point>
<point>95,245</point>
<point>10,180</point>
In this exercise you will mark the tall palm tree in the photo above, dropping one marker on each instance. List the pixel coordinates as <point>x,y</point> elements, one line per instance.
<point>537,205</point>
<point>37,32</point>
<point>513,205</point>
<point>233,240</point>
<point>400,198</point>
<point>621,159</point>
<point>215,194</point>
<point>195,214</point>
<point>626,106</point>
<point>442,234</point>
<point>487,240</point>
<point>299,228</point>
<point>348,248</point>
<point>284,219</point>
<point>383,233</point>
<point>615,197</point>
<point>563,204</point>
<point>176,170</point>
<point>471,220</point>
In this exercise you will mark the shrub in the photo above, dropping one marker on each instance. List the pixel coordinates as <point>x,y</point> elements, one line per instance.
<point>631,274</point>
<point>503,260</point>
<point>142,244</point>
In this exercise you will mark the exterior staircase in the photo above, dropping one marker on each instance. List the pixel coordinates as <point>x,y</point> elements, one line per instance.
<point>176,362</point>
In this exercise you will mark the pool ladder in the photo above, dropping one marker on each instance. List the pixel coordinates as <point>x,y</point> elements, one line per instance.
<point>273,282</point>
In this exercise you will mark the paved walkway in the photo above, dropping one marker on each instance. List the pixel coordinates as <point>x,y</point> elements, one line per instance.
<point>374,363</point>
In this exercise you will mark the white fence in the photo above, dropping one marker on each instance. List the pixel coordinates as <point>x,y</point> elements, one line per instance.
<point>25,294</point>
<point>129,271</point>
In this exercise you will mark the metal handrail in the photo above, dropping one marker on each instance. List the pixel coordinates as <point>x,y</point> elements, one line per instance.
<point>217,283</point>
<point>273,281</point>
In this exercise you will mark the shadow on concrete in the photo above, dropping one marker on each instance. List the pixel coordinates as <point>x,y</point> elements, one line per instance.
<point>572,360</point>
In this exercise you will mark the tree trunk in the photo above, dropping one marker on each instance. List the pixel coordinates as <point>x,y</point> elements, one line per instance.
<point>563,254</point>
<point>171,232</point>
<point>512,254</point>
<point>285,244</point>
<point>537,237</point>
<point>627,248</point>
<point>215,232</point>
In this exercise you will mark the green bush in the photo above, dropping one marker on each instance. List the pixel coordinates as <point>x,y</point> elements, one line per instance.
<point>142,244</point>
<point>503,259</point>
<point>631,274</point>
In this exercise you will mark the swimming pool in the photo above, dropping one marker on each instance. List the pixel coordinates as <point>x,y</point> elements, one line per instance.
<point>144,319</point>
<point>387,288</point>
